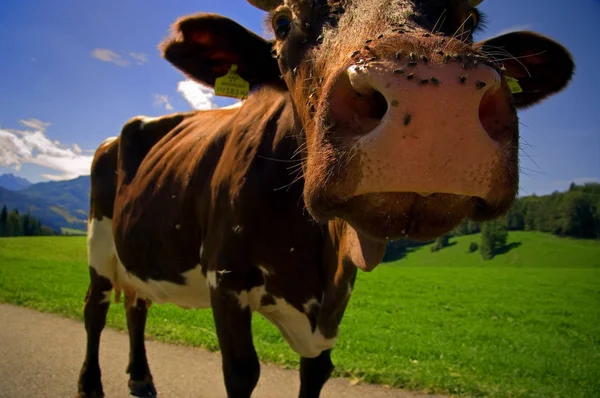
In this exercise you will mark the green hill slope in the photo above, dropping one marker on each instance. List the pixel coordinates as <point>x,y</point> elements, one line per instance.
<point>524,249</point>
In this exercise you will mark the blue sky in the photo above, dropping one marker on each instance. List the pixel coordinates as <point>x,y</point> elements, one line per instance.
<point>74,71</point>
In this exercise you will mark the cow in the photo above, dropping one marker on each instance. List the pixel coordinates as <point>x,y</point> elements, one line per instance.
<point>366,121</point>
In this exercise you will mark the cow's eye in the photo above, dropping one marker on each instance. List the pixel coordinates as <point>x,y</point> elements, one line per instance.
<point>282,24</point>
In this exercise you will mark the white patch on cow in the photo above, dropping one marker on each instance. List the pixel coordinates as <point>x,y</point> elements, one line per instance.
<point>296,328</point>
<point>251,298</point>
<point>349,292</point>
<point>293,325</point>
<point>101,248</point>
<point>211,278</point>
<point>193,293</point>
<point>102,256</point>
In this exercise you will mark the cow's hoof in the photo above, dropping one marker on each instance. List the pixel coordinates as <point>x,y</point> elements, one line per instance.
<point>142,388</point>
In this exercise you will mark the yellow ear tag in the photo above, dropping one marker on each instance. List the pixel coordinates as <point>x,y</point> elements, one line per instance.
<point>232,85</point>
<point>513,85</point>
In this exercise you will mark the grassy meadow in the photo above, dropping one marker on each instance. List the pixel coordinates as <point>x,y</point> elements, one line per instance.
<point>525,324</point>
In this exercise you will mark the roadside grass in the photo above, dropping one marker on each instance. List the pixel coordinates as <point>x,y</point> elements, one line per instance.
<point>525,324</point>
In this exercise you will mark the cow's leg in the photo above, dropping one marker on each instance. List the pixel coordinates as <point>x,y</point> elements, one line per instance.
<point>241,368</point>
<point>94,313</point>
<point>314,373</point>
<point>140,378</point>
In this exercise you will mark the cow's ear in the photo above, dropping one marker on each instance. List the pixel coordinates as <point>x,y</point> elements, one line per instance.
<point>204,46</point>
<point>541,66</point>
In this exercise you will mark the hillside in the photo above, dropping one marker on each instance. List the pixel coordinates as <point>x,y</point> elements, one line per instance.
<point>523,249</point>
<point>72,195</point>
<point>57,204</point>
<point>12,182</point>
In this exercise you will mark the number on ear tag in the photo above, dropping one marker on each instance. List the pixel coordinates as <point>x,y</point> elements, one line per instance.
<point>232,85</point>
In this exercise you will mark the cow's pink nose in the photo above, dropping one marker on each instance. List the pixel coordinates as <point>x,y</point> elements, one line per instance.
<point>435,96</point>
<point>428,128</point>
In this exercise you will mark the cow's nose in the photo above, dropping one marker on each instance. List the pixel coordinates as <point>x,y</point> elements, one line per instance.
<point>447,94</point>
<point>427,128</point>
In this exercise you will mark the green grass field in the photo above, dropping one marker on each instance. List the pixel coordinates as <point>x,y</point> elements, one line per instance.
<point>525,324</point>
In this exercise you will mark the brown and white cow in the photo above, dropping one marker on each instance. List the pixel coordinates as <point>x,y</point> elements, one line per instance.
<point>368,120</point>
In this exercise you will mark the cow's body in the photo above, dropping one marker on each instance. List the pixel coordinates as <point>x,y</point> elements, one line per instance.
<point>367,121</point>
<point>226,209</point>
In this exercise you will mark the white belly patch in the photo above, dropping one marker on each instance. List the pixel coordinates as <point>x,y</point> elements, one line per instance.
<point>102,256</point>
<point>293,325</point>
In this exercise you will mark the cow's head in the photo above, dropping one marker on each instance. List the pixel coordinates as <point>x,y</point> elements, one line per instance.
<point>409,126</point>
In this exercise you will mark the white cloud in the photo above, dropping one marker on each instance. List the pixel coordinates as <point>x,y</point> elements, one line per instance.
<point>18,147</point>
<point>198,96</point>
<point>141,58</point>
<point>35,124</point>
<point>106,55</point>
<point>162,101</point>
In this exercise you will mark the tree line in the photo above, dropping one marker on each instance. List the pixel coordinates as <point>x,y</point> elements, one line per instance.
<point>14,224</point>
<point>574,213</point>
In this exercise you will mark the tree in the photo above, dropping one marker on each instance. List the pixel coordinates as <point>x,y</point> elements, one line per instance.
<point>473,247</point>
<point>466,227</point>
<point>577,216</point>
<point>47,231</point>
<point>4,221</point>
<point>13,224</point>
<point>515,219</point>
<point>462,229</point>
<point>440,243</point>
<point>25,224</point>
<point>493,238</point>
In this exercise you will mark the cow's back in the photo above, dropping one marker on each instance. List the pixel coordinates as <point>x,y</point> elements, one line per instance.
<point>157,232</point>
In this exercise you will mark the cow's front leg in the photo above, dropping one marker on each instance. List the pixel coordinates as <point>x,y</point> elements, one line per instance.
<point>314,373</point>
<point>97,300</point>
<point>241,368</point>
<point>140,378</point>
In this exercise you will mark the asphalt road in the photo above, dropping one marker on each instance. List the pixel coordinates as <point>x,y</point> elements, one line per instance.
<point>41,354</point>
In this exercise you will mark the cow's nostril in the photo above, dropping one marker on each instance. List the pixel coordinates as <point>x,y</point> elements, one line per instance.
<point>379,105</point>
<point>355,106</point>
<point>376,103</point>
<point>494,112</point>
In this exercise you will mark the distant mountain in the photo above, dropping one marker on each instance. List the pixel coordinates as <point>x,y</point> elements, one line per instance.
<point>12,182</point>
<point>57,204</point>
